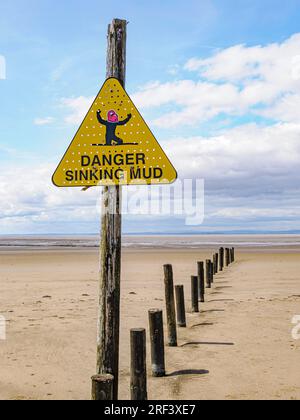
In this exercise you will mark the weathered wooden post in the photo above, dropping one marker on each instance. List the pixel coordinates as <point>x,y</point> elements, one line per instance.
<point>217,263</point>
<point>208,275</point>
<point>180,306</point>
<point>233,254</point>
<point>138,384</point>
<point>94,164</point>
<point>201,281</point>
<point>227,257</point>
<point>195,294</point>
<point>221,253</point>
<point>211,272</point>
<point>110,266</point>
<point>157,342</point>
<point>102,388</point>
<point>170,305</point>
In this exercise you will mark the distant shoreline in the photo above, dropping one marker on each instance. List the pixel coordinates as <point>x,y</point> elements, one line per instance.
<point>153,234</point>
<point>174,242</point>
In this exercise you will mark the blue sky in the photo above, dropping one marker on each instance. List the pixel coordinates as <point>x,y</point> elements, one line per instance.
<point>55,57</point>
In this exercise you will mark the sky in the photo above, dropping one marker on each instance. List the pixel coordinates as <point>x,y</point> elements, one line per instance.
<point>218,82</point>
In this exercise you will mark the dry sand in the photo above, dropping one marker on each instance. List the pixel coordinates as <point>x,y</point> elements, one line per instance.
<point>239,347</point>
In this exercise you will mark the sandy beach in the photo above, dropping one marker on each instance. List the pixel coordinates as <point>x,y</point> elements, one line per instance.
<point>239,347</point>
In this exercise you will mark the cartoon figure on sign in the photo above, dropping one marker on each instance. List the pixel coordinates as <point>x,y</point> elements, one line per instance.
<point>111,125</point>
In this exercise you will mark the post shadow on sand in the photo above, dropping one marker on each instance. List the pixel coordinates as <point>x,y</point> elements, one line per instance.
<point>213,310</point>
<point>203,324</point>
<point>203,343</point>
<point>222,300</point>
<point>188,372</point>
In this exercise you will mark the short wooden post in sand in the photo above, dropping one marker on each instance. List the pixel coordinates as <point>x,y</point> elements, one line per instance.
<point>217,264</point>
<point>195,294</point>
<point>227,257</point>
<point>201,281</point>
<point>102,388</point>
<point>170,306</point>
<point>180,306</point>
<point>221,255</point>
<point>211,272</point>
<point>157,343</point>
<point>215,268</point>
<point>207,272</point>
<point>138,382</point>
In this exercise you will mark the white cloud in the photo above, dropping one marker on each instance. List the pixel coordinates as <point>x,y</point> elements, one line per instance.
<point>255,213</point>
<point>285,109</point>
<point>44,121</point>
<point>250,172</point>
<point>32,200</point>
<point>274,63</point>
<point>199,101</point>
<point>249,154</point>
<point>234,81</point>
<point>240,80</point>
<point>78,108</point>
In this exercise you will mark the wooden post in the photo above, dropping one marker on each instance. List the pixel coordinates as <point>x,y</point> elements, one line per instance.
<point>221,259</point>
<point>195,294</point>
<point>180,306</point>
<point>201,281</point>
<point>138,385</point>
<point>157,343</point>
<point>110,265</point>
<point>233,254</point>
<point>170,305</point>
<point>211,272</point>
<point>102,387</point>
<point>227,257</point>
<point>208,276</point>
<point>217,263</point>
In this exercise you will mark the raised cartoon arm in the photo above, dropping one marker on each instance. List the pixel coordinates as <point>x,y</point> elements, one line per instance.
<point>129,116</point>
<point>100,119</point>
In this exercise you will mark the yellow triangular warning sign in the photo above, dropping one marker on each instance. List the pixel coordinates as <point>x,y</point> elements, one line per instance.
<point>113,146</point>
